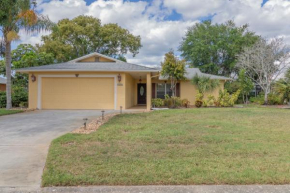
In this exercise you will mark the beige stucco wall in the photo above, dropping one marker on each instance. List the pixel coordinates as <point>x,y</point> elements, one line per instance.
<point>189,91</point>
<point>92,59</point>
<point>32,95</point>
<point>129,87</point>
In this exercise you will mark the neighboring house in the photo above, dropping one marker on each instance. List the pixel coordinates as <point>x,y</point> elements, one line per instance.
<point>2,84</point>
<point>96,81</point>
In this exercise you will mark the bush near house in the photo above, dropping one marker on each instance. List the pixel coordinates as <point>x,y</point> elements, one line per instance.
<point>19,97</point>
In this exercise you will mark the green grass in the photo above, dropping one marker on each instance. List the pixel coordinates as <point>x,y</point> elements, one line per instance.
<point>188,146</point>
<point>8,112</point>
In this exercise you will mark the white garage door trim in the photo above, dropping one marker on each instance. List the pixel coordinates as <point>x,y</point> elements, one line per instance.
<point>80,76</point>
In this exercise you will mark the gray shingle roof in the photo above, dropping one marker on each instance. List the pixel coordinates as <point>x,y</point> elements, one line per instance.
<point>191,72</point>
<point>75,65</point>
<point>89,66</point>
<point>2,80</point>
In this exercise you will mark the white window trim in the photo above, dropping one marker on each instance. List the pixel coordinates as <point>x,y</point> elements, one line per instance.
<point>39,105</point>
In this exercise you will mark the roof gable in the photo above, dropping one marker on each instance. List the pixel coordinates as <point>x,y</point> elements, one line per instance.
<point>94,57</point>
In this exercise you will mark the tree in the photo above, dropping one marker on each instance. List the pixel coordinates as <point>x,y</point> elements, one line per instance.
<point>26,55</point>
<point>16,15</point>
<point>282,87</point>
<point>83,35</point>
<point>174,69</point>
<point>264,62</point>
<point>204,84</point>
<point>245,85</point>
<point>213,47</point>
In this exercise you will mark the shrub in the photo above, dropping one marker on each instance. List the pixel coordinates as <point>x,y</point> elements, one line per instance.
<point>172,102</point>
<point>2,99</point>
<point>157,102</point>
<point>204,103</point>
<point>19,97</point>
<point>257,100</point>
<point>185,103</point>
<point>273,99</point>
<point>210,100</point>
<point>227,100</point>
<point>198,100</point>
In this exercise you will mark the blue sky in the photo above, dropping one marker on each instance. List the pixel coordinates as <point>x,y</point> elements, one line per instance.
<point>162,23</point>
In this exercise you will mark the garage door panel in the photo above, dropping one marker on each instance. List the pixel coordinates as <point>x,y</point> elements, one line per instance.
<point>77,93</point>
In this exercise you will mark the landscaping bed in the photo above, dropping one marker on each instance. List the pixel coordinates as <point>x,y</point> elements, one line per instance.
<point>182,146</point>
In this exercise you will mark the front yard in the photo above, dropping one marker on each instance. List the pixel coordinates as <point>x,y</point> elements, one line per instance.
<point>188,146</point>
<point>8,112</point>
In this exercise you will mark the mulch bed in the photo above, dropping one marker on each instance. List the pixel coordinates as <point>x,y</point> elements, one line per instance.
<point>94,125</point>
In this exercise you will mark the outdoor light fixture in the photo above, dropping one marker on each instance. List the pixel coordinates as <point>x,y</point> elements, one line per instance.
<point>85,122</point>
<point>103,113</point>
<point>33,78</point>
<point>140,80</point>
<point>119,77</point>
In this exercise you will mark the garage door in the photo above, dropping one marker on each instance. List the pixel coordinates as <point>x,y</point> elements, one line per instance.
<point>77,93</point>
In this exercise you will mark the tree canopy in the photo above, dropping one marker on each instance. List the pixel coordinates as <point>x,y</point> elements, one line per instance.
<point>213,47</point>
<point>26,55</point>
<point>16,15</point>
<point>264,62</point>
<point>85,34</point>
<point>174,69</point>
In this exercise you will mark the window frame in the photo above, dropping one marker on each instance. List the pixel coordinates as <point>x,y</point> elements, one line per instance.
<point>167,86</point>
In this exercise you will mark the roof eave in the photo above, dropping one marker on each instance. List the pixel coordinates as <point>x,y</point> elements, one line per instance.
<point>80,70</point>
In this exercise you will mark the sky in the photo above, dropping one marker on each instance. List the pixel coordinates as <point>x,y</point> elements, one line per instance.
<point>162,23</point>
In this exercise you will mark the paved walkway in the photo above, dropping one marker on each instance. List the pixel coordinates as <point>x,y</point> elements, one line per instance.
<point>157,189</point>
<point>25,139</point>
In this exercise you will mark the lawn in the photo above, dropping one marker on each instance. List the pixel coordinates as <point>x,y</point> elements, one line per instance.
<point>8,112</point>
<point>188,146</point>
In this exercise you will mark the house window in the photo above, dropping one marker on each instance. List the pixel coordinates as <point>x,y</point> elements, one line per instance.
<point>162,89</point>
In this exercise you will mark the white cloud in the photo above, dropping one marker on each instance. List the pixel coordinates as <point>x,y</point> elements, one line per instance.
<point>140,18</point>
<point>159,35</point>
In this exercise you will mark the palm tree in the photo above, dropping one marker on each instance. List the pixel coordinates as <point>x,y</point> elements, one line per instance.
<point>205,84</point>
<point>16,15</point>
<point>282,87</point>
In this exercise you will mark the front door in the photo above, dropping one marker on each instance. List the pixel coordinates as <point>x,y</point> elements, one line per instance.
<point>141,94</point>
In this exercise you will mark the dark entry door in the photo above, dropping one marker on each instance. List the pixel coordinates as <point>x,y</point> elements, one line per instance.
<point>141,94</point>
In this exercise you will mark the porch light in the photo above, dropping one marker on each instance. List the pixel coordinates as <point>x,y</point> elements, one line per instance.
<point>33,78</point>
<point>119,77</point>
<point>140,80</point>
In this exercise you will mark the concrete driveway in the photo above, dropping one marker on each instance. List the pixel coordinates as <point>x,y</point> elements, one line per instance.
<point>25,139</point>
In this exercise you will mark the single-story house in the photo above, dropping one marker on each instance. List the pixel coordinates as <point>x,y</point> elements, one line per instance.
<point>96,81</point>
<point>2,84</point>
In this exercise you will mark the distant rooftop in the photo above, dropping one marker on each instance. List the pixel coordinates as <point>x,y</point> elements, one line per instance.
<point>2,80</point>
<point>191,72</point>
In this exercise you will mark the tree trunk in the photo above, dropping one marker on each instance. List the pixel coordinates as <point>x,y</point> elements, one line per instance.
<point>266,98</point>
<point>8,74</point>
